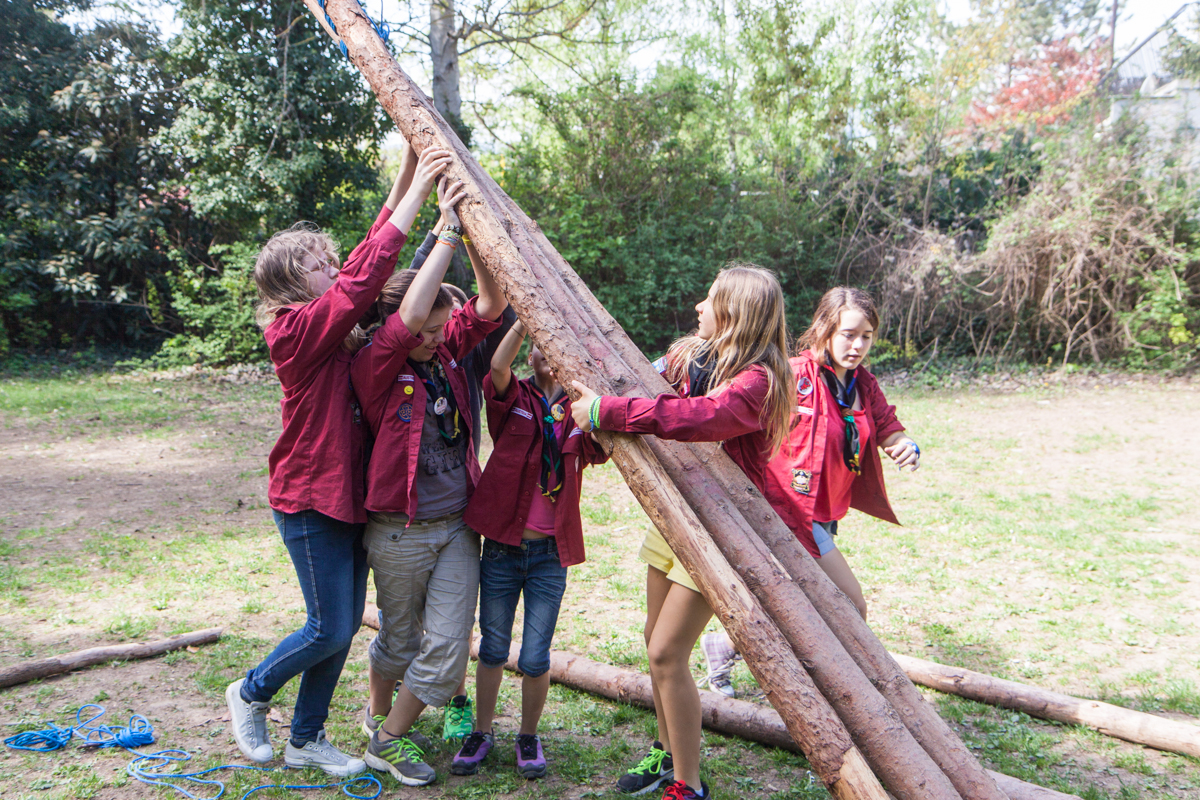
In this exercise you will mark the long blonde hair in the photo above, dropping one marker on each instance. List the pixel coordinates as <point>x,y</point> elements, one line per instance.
<point>747,305</point>
<point>282,279</point>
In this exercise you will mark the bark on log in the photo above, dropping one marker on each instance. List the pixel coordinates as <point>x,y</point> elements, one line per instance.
<point>726,715</point>
<point>1122,723</point>
<point>512,248</point>
<point>57,665</point>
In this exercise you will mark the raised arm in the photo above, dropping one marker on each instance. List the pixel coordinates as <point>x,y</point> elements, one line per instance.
<point>408,166</point>
<point>503,357</point>
<point>491,302</point>
<point>428,167</point>
<point>418,302</point>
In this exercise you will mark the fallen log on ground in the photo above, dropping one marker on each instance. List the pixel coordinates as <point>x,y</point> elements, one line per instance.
<point>582,342</point>
<point>56,665</point>
<point>1122,723</point>
<point>725,715</point>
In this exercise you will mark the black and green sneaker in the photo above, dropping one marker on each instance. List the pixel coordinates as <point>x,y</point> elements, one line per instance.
<point>651,772</point>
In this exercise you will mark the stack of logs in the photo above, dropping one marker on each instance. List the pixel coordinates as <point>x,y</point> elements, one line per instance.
<point>851,710</point>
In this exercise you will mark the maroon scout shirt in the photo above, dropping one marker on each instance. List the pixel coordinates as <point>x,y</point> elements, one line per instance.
<point>797,473</point>
<point>500,506</point>
<point>729,416</point>
<point>383,379</point>
<point>317,462</point>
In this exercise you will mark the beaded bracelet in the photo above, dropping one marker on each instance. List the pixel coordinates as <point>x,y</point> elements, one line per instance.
<point>449,238</point>
<point>594,414</point>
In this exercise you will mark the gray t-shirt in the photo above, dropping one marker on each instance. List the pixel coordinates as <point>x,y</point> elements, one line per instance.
<point>441,468</point>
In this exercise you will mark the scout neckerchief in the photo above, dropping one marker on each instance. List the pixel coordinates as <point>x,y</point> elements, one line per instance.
<point>845,396</point>
<point>445,407</point>
<point>552,462</point>
<point>700,372</point>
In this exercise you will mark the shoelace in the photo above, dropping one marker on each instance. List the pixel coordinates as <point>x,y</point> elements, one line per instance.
<point>528,745</point>
<point>679,791</point>
<point>456,713</point>
<point>408,749</point>
<point>473,742</point>
<point>651,763</point>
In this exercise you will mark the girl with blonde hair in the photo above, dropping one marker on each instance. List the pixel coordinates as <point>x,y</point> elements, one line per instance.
<point>734,386</point>
<point>309,310</point>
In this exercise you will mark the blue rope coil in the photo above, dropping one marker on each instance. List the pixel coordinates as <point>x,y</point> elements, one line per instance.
<point>148,767</point>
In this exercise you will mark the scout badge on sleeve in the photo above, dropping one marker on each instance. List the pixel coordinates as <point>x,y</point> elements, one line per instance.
<point>557,412</point>
<point>801,479</point>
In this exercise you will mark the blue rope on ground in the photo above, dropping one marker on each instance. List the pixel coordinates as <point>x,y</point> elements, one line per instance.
<point>147,768</point>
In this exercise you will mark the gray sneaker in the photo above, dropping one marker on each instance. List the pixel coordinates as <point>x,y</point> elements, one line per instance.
<point>401,758</point>
<point>371,723</point>
<point>322,755</point>
<point>249,722</point>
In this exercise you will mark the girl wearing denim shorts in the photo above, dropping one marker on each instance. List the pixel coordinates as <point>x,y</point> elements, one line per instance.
<point>527,508</point>
<point>413,388</point>
<point>309,312</point>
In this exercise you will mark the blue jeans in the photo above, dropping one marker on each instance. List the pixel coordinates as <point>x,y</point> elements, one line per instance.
<point>331,566</point>
<point>504,572</point>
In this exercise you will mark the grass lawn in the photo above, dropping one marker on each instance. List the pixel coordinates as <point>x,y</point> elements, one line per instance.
<point>1052,537</point>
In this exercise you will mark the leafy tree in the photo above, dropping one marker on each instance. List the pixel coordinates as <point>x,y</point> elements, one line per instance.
<point>88,214</point>
<point>275,125</point>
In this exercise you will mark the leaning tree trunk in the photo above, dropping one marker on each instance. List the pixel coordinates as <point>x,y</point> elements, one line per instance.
<point>562,317</point>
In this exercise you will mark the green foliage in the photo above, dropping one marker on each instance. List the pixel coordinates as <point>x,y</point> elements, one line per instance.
<point>276,125</point>
<point>85,219</point>
<point>215,306</point>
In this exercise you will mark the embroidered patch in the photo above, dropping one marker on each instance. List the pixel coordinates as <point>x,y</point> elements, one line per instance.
<point>801,479</point>
<point>660,365</point>
<point>804,386</point>
<point>453,365</point>
<point>557,411</point>
<point>409,378</point>
<point>576,432</point>
<point>405,412</point>
<point>804,410</point>
<point>522,413</point>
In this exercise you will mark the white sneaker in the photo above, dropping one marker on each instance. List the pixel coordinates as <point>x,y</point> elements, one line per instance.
<point>322,755</point>
<point>249,722</point>
<point>720,657</point>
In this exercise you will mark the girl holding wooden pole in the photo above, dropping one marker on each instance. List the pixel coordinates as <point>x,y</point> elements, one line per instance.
<point>735,386</point>
<point>309,310</point>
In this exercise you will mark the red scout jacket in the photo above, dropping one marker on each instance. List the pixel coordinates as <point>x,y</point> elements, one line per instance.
<point>317,462</point>
<point>795,472</point>
<point>500,506</point>
<point>383,379</point>
<point>730,416</point>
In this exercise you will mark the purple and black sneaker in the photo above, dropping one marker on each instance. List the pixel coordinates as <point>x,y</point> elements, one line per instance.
<point>531,763</point>
<point>472,753</point>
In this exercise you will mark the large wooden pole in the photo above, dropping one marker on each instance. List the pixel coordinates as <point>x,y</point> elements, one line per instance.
<point>726,715</point>
<point>1123,723</point>
<point>56,665</point>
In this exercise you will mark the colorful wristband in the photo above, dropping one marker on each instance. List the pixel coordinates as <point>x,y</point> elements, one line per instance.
<point>594,414</point>
<point>449,238</point>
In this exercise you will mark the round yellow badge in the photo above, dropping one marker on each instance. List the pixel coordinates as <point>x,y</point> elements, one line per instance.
<point>408,390</point>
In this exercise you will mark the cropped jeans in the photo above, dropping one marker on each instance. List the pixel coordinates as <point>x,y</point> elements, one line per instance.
<point>331,566</point>
<point>505,573</point>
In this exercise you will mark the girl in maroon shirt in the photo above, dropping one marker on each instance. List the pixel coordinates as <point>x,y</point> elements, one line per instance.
<point>310,307</point>
<point>734,386</point>
<point>831,463</point>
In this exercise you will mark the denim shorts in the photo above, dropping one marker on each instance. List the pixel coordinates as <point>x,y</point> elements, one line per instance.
<point>505,572</point>
<point>823,533</point>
